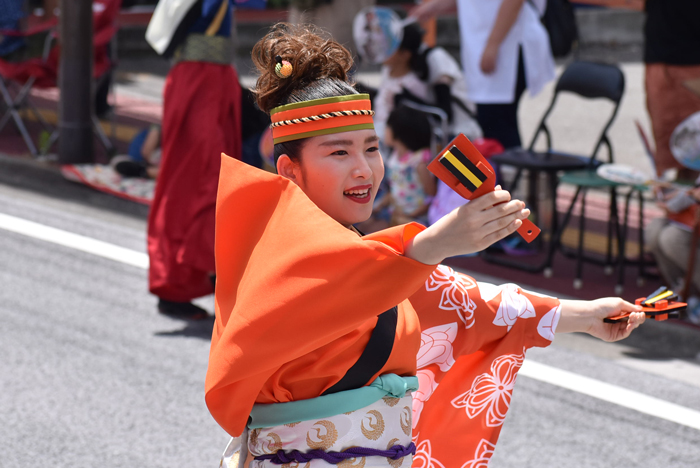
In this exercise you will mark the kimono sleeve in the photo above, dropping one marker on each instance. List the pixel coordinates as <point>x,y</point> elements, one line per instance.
<point>473,342</point>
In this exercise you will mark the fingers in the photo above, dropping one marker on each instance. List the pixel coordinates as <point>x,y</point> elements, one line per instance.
<point>505,209</point>
<point>495,220</point>
<point>489,199</point>
<point>635,320</point>
<point>503,232</point>
<point>628,306</point>
<point>481,222</point>
<point>500,221</point>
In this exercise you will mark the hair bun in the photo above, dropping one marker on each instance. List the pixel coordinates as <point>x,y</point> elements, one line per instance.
<point>311,56</point>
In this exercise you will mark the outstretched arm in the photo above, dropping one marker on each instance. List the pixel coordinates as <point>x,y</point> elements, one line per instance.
<point>587,317</point>
<point>474,336</point>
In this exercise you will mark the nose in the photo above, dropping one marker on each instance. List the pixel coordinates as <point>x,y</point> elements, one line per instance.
<point>362,169</point>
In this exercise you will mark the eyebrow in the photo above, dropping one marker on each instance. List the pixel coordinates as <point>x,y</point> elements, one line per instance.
<point>370,139</point>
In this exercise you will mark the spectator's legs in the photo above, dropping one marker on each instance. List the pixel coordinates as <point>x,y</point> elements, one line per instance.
<point>500,121</point>
<point>675,245</point>
<point>102,106</point>
<point>104,84</point>
<point>668,103</point>
<point>670,245</point>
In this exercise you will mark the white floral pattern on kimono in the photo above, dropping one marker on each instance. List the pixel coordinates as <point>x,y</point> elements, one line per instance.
<point>491,392</point>
<point>423,457</point>
<point>548,323</point>
<point>455,295</point>
<point>436,346</point>
<point>513,305</point>
<point>473,372</point>
<point>426,387</point>
<point>483,455</point>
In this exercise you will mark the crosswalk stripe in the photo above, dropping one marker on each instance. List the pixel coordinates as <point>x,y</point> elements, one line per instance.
<point>74,241</point>
<point>612,394</point>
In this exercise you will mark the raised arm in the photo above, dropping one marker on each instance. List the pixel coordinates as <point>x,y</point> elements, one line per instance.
<point>432,8</point>
<point>469,228</point>
<point>637,5</point>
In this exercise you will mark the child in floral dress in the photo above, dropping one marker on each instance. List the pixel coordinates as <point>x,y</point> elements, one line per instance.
<point>412,185</point>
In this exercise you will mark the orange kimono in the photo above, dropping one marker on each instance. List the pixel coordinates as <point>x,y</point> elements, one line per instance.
<point>297,298</point>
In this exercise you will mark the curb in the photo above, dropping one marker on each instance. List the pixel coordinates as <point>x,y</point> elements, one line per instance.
<point>44,177</point>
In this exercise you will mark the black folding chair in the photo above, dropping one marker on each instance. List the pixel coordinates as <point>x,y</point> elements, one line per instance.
<point>587,80</point>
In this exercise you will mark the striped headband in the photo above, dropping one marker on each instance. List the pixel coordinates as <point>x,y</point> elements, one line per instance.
<point>321,117</point>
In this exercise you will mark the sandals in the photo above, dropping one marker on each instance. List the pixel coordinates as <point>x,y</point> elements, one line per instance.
<point>182,310</point>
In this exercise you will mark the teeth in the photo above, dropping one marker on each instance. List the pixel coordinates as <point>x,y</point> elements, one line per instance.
<point>357,192</point>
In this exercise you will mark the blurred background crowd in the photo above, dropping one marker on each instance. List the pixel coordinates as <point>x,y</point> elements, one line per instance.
<point>168,94</point>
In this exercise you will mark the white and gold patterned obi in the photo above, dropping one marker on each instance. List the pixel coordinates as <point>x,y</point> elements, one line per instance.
<point>381,425</point>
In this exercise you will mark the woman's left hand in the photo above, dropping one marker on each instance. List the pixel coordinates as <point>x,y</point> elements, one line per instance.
<point>587,316</point>
<point>611,307</point>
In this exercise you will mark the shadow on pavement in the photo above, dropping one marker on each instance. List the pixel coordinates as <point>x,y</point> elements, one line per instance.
<point>660,341</point>
<point>197,329</point>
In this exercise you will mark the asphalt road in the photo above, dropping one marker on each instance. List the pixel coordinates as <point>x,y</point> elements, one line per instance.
<point>91,375</point>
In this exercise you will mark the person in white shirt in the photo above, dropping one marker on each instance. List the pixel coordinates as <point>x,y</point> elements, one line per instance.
<point>505,49</point>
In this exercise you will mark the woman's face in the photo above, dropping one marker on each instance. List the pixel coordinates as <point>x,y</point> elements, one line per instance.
<point>340,173</point>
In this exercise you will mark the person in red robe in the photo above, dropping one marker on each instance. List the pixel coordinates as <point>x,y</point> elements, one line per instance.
<point>312,317</point>
<point>201,118</point>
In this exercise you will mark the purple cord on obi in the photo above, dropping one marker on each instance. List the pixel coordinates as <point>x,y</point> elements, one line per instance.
<point>282,457</point>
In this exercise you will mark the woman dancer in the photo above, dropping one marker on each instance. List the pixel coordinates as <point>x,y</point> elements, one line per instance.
<point>321,335</point>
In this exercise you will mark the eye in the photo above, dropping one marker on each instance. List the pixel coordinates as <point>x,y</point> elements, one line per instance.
<point>372,149</point>
<point>339,153</point>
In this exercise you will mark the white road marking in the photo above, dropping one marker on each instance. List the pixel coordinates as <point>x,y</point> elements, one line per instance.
<point>561,378</point>
<point>612,394</point>
<point>674,369</point>
<point>74,241</point>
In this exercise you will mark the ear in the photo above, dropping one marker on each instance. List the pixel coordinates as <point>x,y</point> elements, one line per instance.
<point>288,168</point>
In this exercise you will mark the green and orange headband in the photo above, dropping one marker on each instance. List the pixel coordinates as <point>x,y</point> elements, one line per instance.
<point>321,117</point>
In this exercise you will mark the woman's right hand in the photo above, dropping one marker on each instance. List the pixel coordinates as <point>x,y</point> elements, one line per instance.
<point>469,228</point>
<point>489,58</point>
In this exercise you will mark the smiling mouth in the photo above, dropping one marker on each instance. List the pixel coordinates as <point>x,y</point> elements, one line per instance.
<point>364,193</point>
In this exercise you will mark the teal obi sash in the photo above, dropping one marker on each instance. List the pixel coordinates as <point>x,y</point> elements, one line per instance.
<point>277,414</point>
